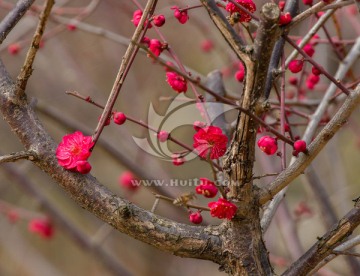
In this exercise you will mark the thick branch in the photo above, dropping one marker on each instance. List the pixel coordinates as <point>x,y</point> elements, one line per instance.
<point>267,34</point>
<point>326,244</point>
<point>180,239</point>
<point>227,31</point>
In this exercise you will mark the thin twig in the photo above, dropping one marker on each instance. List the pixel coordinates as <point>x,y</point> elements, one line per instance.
<point>320,68</point>
<point>265,175</point>
<point>124,67</point>
<point>26,70</point>
<point>343,68</point>
<point>314,148</point>
<point>155,205</point>
<point>12,157</point>
<point>312,31</point>
<point>187,205</point>
<point>336,252</point>
<point>222,99</point>
<point>313,124</point>
<point>138,122</point>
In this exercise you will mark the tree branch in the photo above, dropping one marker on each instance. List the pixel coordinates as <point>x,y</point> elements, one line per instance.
<point>179,239</point>
<point>326,244</point>
<point>12,157</point>
<point>13,17</point>
<point>26,70</point>
<point>124,68</point>
<point>314,148</point>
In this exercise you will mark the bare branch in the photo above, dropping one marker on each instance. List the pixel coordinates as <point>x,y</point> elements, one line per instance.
<point>344,67</point>
<point>314,29</point>
<point>315,119</point>
<point>13,157</point>
<point>235,42</point>
<point>326,244</point>
<point>314,148</point>
<point>13,17</point>
<point>26,70</point>
<point>124,68</point>
<point>344,246</point>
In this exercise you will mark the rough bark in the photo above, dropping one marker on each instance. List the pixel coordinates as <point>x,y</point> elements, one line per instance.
<point>247,254</point>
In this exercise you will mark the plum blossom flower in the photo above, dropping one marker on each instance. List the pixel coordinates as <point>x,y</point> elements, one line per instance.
<point>119,118</point>
<point>163,136</point>
<point>315,71</point>
<point>207,45</point>
<point>177,159</point>
<point>159,20</point>
<point>206,188</point>
<point>127,181</point>
<point>83,167</point>
<point>296,65</point>
<point>177,82</point>
<point>210,141</point>
<point>73,150</point>
<point>137,17</point>
<point>222,209</point>
<point>247,4</point>
<point>196,217</point>
<point>14,49</point>
<point>268,145</point>
<point>42,227</point>
<point>156,47</point>
<point>300,146</point>
<point>285,18</point>
<point>181,16</point>
<point>309,49</point>
<point>240,74</point>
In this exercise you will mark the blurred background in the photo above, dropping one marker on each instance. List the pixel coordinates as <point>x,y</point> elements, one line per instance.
<point>81,51</point>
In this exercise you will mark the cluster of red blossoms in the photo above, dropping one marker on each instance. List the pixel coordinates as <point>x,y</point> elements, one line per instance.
<point>209,141</point>
<point>156,47</point>
<point>158,20</point>
<point>285,18</point>
<point>296,66</point>
<point>180,14</point>
<point>221,208</point>
<point>269,145</point>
